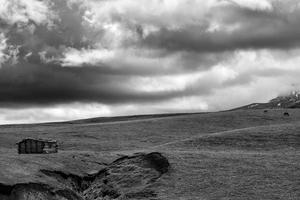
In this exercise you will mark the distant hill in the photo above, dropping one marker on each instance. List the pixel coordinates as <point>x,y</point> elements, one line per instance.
<point>291,100</point>
<point>241,154</point>
<point>125,118</point>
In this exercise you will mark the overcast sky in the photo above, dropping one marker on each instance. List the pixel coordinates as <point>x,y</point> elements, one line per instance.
<point>72,59</point>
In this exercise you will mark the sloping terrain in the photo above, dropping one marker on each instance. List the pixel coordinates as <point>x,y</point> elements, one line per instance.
<point>285,101</point>
<point>241,154</point>
<point>283,137</point>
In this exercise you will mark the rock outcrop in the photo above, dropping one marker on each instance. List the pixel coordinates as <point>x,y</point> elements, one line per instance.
<point>129,177</point>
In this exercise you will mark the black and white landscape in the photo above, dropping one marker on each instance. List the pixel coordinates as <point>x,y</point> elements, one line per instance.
<point>149,99</point>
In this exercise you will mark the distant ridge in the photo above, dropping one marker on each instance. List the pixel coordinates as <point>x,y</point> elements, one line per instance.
<point>291,100</point>
<point>125,118</point>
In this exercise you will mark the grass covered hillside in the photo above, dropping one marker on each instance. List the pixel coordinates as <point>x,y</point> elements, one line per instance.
<point>241,154</point>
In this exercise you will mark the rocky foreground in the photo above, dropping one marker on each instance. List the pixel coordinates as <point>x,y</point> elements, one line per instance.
<point>129,177</point>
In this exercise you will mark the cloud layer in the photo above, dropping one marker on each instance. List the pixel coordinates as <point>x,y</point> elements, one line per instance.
<point>144,56</point>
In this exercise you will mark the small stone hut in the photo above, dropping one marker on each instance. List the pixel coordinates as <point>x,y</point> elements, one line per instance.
<point>286,114</point>
<point>31,146</point>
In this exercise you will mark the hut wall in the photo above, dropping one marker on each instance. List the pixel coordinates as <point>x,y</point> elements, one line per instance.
<point>27,146</point>
<point>22,147</point>
<point>36,146</point>
<point>40,147</point>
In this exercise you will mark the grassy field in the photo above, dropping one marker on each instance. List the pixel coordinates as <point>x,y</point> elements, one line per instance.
<point>241,154</point>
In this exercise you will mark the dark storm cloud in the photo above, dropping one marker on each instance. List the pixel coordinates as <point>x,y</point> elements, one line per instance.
<point>37,85</point>
<point>250,76</point>
<point>29,80</point>
<point>251,29</point>
<point>97,53</point>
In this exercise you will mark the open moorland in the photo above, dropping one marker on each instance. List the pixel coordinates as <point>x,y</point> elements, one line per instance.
<point>239,154</point>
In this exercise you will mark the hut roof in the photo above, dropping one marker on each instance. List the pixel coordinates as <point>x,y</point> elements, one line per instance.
<point>38,139</point>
